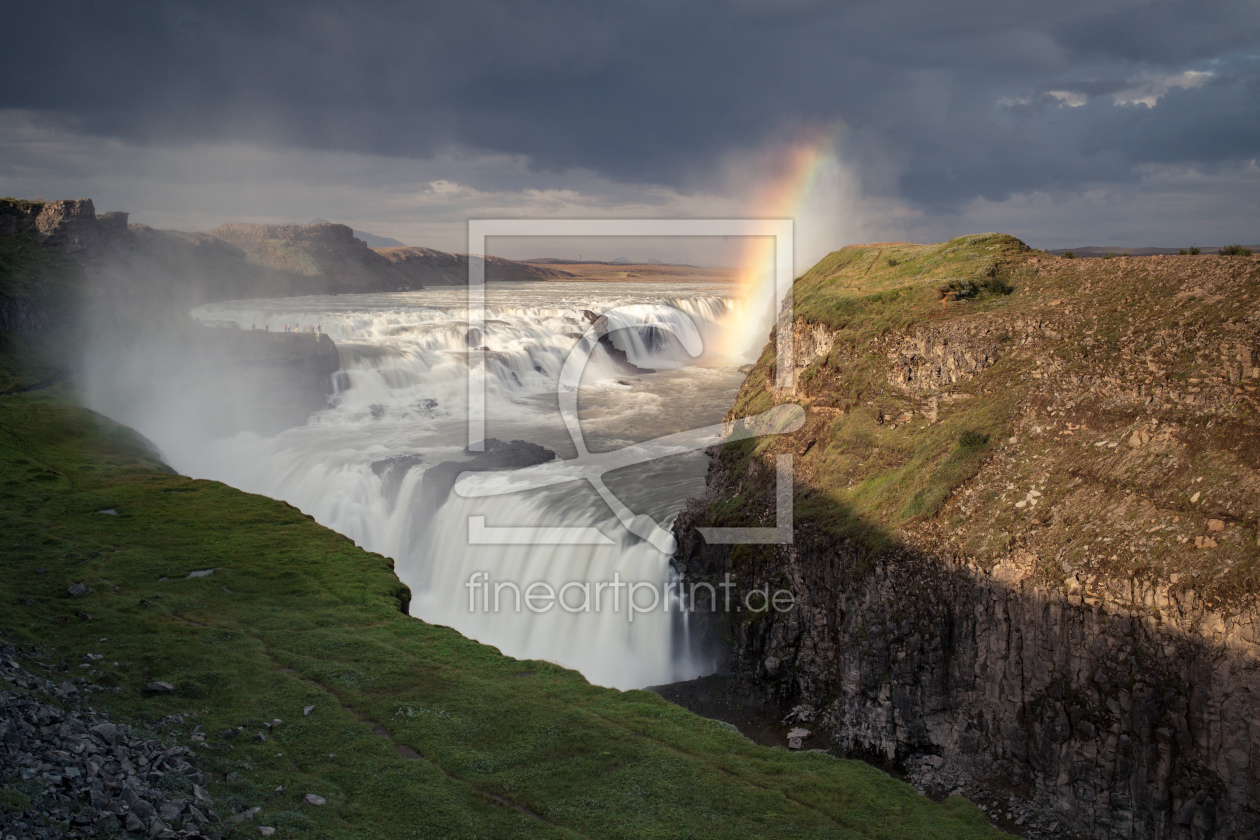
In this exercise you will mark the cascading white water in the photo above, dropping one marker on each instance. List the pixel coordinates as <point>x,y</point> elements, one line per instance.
<point>402,391</point>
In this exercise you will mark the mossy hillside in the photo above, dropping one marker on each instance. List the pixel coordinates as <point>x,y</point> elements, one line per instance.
<point>36,284</point>
<point>858,476</point>
<point>295,615</point>
<point>30,270</point>
<point>864,290</point>
<point>1117,390</point>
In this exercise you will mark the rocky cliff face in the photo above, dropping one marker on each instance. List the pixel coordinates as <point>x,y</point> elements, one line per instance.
<point>1026,531</point>
<point>36,272</point>
<point>71,224</point>
<point>22,315</point>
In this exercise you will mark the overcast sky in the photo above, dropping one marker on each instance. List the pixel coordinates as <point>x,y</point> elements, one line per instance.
<point>1065,123</point>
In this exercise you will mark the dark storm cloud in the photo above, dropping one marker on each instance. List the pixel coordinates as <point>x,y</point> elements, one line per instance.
<point>942,102</point>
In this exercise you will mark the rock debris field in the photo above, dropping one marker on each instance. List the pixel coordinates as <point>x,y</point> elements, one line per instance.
<point>68,771</point>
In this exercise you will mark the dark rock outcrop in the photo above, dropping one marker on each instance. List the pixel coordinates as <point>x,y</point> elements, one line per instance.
<point>1121,724</point>
<point>392,471</point>
<point>438,480</point>
<point>271,381</point>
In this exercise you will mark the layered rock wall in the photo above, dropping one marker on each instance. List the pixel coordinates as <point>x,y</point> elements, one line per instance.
<point>1128,719</point>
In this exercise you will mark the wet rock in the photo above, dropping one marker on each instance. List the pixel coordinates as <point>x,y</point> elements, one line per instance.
<point>436,484</point>
<point>620,358</point>
<point>392,471</point>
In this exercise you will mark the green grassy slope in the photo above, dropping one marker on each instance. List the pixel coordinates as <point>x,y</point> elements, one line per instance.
<point>1124,392</point>
<point>416,731</point>
<point>857,475</point>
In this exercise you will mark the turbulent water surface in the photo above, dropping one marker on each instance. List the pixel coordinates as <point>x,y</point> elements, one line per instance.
<point>401,409</point>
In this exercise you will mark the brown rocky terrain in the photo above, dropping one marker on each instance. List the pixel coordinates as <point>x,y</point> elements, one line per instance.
<point>1025,530</point>
<point>328,258</point>
<point>439,268</point>
<point>637,272</point>
<point>318,259</point>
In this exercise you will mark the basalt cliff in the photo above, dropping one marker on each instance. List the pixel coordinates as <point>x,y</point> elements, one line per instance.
<point>1025,546</point>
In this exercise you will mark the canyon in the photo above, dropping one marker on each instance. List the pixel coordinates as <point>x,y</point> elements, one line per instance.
<point>1025,538</point>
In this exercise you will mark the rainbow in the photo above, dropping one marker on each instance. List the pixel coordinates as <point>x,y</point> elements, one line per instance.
<point>786,195</point>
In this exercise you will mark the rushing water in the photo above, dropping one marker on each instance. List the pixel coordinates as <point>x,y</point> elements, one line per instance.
<point>403,391</point>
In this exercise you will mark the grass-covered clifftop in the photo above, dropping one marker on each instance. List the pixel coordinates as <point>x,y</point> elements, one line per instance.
<point>1025,554</point>
<point>1097,416</point>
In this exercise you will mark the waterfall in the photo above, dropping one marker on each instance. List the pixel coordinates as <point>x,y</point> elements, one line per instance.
<point>400,410</point>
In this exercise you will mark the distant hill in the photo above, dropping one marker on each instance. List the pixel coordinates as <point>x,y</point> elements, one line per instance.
<point>335,260</point>
<point>325,257</point>
<point>1090,251</point>
<point>439,268</point>
<point>620,261</point>
<point>371,239</point>
<point>375,241</point>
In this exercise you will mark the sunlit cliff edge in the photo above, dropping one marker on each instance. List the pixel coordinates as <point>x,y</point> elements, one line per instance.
<point>1025,527</point>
